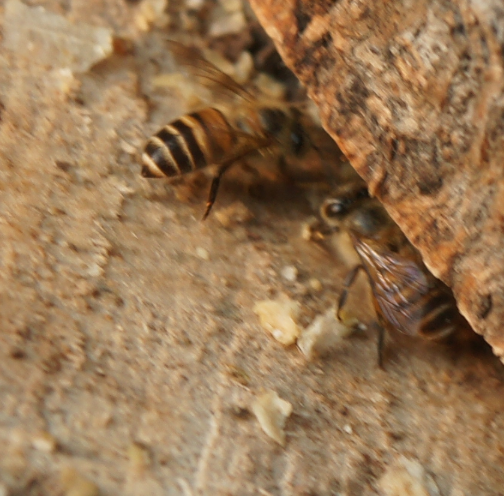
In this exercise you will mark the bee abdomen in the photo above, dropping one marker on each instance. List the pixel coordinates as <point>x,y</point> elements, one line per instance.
<point>440,315</point>
<point>188,143</point>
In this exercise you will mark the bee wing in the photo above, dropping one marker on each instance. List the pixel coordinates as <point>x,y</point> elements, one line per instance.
<point>404,283</point>
<point>207,73</point>
<point>398,283</point>
<point>241,142</point>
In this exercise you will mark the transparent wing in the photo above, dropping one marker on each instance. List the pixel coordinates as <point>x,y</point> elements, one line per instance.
<point>398,283</point>
<point>206,72</point>
<point>401,285</point>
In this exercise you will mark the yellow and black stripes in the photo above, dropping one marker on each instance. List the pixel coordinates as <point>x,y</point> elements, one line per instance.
<point>440,315</point>
<point>191,142</point>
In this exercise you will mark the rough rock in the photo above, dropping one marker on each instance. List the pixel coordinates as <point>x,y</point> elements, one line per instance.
<point>413,93</point>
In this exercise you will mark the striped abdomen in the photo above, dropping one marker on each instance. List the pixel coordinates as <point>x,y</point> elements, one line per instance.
<point>407,297</point>
<point>191,142</point>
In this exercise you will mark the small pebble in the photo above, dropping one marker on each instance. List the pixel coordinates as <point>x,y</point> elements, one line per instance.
<point>289,273</point>
<point>315,284</point>
<point>44,441</point>
<point>230,24</point>
<point>348,429</point>
<point>202,253</point>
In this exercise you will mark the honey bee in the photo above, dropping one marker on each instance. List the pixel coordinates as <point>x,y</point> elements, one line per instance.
<point>211,136</point>
<point>406,296</point>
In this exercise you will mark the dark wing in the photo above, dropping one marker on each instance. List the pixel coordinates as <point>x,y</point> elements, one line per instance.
<point>401,295</point>
<point>399,285</point>
<point>207,73</point>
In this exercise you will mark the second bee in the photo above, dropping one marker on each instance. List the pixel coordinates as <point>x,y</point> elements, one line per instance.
<point>407,298</point>
<point>212,137</point>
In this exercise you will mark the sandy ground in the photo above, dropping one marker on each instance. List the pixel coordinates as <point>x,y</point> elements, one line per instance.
<point>130,352</point>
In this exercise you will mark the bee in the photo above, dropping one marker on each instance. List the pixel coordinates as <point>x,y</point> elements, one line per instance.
<point>211,136</point>
<point>406,296</point>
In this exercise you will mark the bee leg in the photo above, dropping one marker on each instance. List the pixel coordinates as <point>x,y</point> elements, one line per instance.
<point>214,187</point>
<point>349,280</point>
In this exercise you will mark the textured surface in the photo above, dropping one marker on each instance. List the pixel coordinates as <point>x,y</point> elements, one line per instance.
<point>413,92</point>
<point>129,350</point>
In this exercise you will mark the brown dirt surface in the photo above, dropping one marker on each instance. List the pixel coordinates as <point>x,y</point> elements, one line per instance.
<point>130,352</point>
<point>413,95</point>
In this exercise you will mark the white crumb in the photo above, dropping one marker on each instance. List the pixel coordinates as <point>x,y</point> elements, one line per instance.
<point>272,413</point>
<point>323,335</point>
<point>279,318</point>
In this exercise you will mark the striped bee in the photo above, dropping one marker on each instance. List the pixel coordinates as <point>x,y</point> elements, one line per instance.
<point>221,138</point>
<point>406,296</point>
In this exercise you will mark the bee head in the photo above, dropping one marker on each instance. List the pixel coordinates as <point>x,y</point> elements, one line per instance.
<point>273,121</point>
<point>286,127</point>
<point>336,209</point>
